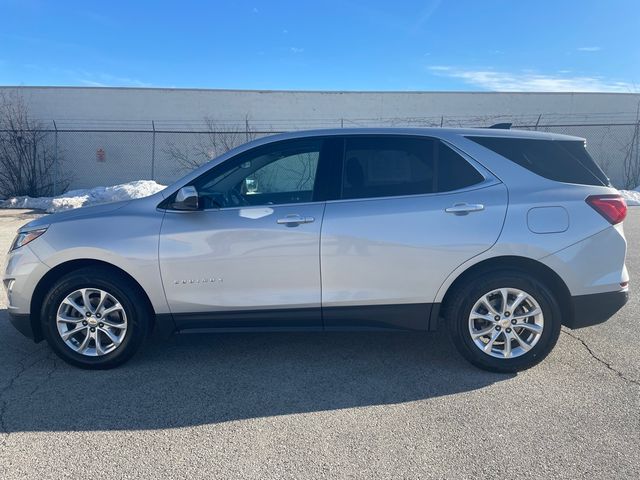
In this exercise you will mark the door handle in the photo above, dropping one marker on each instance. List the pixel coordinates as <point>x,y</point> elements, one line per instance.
<point>294,220</point>
<point>464,208</point>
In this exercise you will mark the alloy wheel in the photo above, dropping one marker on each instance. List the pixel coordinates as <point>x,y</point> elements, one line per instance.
<point>91,322</point>
<point>506,323</point>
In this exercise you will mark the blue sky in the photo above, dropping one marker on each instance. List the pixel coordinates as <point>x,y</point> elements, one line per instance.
<point>501,45</point>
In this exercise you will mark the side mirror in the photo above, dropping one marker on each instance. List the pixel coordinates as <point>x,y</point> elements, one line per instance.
<point>186,199</point>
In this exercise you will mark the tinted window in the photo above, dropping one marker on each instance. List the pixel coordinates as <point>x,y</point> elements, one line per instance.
<point>454,172</point>
<point>281,173</point>
<point>394,166</point>
<point>559,160</point>
<point>291,173</point>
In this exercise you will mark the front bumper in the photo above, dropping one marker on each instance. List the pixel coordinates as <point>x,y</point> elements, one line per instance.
<point>595,308</point>
<point>22,273</point>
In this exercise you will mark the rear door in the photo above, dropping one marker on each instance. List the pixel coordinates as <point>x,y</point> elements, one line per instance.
<point>411,210</point>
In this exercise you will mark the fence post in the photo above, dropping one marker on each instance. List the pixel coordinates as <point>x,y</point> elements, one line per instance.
<point>246,128</point>
<point>55,158</point>
<point>153,151</point>
<point>538,122</point>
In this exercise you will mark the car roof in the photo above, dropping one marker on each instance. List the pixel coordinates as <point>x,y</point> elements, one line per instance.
<point>435,132</point>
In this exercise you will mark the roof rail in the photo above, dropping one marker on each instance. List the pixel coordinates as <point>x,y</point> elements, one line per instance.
<point>501,126</point>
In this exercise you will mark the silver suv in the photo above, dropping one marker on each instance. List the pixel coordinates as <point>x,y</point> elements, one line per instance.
<point>498,236</point>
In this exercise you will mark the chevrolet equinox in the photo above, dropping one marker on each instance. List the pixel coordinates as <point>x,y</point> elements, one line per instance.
<point>498,236</point>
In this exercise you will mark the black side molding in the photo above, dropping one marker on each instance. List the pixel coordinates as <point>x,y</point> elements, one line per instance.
<point>414,316</point>
<point>250,320</point>
<point>409,316</point>
<point>164,326</point>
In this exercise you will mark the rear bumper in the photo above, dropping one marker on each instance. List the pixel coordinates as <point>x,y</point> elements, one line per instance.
<point>595,308</point>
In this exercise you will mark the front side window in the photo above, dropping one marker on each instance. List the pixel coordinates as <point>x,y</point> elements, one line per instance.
<point>275,174</point>
<point>396,166</point>
<point>291,173</point>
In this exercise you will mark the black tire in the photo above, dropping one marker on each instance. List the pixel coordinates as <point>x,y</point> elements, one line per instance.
<point>459,307</point>
<point>116,284</point>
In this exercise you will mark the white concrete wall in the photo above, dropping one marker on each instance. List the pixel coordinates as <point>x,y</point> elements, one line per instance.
<point>144,104</point>
<point>128,155</point>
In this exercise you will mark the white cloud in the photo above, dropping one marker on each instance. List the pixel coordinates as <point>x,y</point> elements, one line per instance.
<point>529,81</point>
<point>91,83</point>
<point>425,14</point>
<point>296,50</point>
<point>108,80</point>
<point>440,68</point>
<point>589,49</point>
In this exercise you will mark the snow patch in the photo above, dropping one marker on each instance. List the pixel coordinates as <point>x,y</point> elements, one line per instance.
<point>632,196</point>
<point>86,197</point>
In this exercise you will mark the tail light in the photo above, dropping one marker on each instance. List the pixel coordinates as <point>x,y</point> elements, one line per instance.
<point>612,207</point>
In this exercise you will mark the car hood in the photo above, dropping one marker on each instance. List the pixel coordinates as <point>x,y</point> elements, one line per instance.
<point>74,214</point>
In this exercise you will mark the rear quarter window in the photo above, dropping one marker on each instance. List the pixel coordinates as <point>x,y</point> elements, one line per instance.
<point>560,160</point>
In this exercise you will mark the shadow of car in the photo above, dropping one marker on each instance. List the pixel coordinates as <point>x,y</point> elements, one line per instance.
<point>212,378</point>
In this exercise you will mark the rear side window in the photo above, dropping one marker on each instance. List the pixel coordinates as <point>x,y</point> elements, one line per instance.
<point>454,172</point>
<point>559,160</point>
<point>395,166</point>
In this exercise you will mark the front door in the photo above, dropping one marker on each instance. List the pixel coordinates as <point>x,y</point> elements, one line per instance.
<point>250,257</point>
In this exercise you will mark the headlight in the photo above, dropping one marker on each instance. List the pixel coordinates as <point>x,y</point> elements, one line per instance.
<point>26,237</point>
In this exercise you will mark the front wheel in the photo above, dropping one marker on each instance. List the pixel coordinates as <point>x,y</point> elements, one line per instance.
<point>94,318</point>
<point>504,321</point>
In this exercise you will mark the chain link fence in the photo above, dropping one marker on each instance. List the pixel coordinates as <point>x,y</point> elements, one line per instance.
<point>90,157</point>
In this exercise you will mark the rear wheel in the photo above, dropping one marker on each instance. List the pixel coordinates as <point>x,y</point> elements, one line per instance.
<point>504,321</point>
<point>94,318</point>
